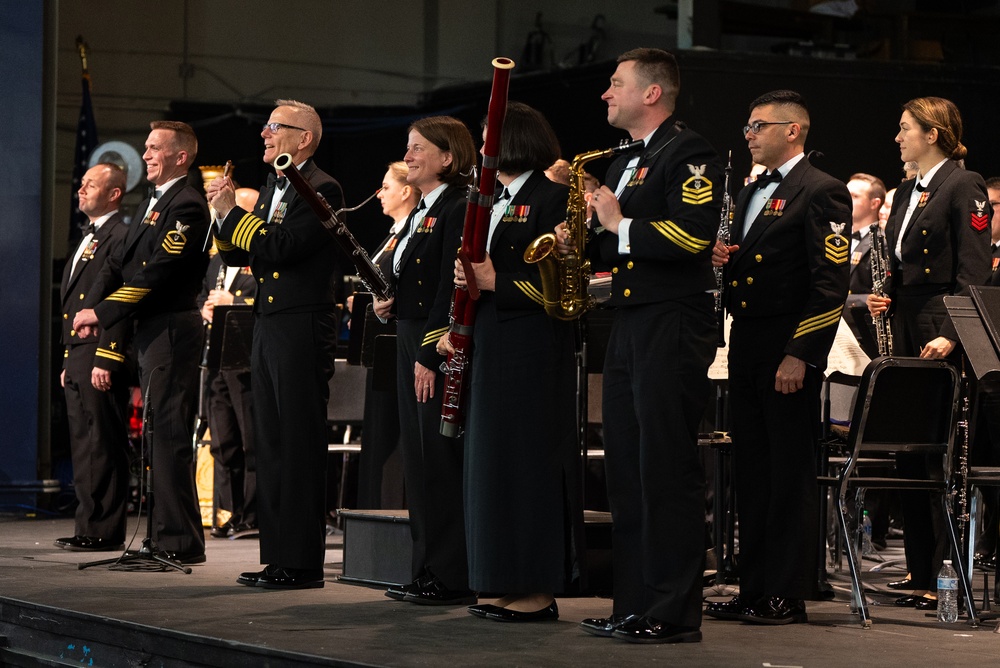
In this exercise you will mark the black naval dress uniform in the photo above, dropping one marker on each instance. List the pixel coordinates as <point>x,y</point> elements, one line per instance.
<point>98,434</point>
<point>230,417</point>
<point>293,259</point>
<point>155,282</point>
<point>945,249</point>
<point>432,463</point>
<point>785,289</point>
<point>521,462</point>
<point>656,385</point>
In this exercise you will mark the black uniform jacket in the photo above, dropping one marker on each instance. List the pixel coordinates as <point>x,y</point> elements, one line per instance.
<point>292,256</point>
<point>78,289</point>
<point>674,198</point>
<point>518,288</point>
<point>427,270</point>
<point>794,260</point>
<point>161,266</point>
<point>947,241</point>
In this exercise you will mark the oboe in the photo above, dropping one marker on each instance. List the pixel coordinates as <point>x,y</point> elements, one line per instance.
<point>725,231</point>
<point>880,273</point>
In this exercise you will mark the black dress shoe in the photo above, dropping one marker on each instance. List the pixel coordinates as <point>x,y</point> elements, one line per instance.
<point>908,601</point>
<point>184,557</point>
<point>551,613</point>
<point>651,630</point>
<point>244,530</point>
<point>250,578</point>
<point>905,583</point>
<point>732,609</point>
<point>88,544</point>
<point>604,626</point>
<point>776,610</point>
<point>926,603</point>
<point>434,592</point>
<point>399,592</point>
<point>224,531</point>
<point>482,609</point>
<point>292,578</point>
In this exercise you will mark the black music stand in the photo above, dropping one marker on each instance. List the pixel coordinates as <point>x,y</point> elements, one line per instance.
<point>230,345</point>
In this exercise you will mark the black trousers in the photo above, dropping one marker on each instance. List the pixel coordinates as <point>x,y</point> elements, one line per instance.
<point>380,476</point>
<point>774,463</point>
<point>98,446</point>
<point>432,466</point>
<point>655,393</point>
<point>292,364</point>
<point>230,417</point>
<point>169,347</point>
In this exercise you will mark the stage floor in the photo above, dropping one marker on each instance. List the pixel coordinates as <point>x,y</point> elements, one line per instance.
<point>205,618</point>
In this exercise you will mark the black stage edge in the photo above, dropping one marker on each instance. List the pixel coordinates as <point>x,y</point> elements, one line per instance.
<point>41,635</point>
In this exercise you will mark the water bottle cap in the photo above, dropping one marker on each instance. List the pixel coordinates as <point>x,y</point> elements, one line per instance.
<point>947,562</point>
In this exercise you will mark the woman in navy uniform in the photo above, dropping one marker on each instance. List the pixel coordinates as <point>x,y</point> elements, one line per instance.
<point>521,396</point>
<point>938,237</point>
<point>440,156</point>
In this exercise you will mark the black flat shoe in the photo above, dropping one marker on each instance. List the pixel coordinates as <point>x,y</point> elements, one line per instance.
<point>651,630</point>
<point>88,544</point>
<point>292,578</point>
<point>482,610</point>
<point>908,601</point>
<point>926,603</point>
<point>905,583</point>
<point>775,611</point>
<point>435,593</point>
<point>184,557</point>
<point>550,613</point>
<point>250,578</point>
<point>732,609</point>
<point>604,626</point>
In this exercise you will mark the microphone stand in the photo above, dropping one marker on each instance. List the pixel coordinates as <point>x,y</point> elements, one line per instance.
<point>148,553</point>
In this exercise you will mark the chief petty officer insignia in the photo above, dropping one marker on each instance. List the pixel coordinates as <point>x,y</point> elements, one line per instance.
<point>979,219</point>
<point>174,242</point>
<point>697,189</point>
<point>836,246</point>
<point>638,178</point>
<point>516,214</point>
<point>427,225</point>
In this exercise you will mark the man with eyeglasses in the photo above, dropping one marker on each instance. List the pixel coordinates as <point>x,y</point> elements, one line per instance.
<point>293,259</point>
<point>655,223</point>
<point>786,278</point>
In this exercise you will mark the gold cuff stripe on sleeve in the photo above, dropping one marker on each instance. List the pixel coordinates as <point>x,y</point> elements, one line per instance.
<point>246,229</point>
<point>111,355</point>
<point>530,291</point>
<point>224,245</point>
<point>128,295</point>
<point>433,336</point>
<point>818,322</point>
<point>678,236</point>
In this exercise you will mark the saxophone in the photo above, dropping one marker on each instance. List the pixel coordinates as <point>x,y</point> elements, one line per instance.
<point>880,272</point>
<point>565,278</point>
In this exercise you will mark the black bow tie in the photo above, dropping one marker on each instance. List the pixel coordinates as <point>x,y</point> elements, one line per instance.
<point>88,229</point>
<point>505,194</point>
<point>764,179</point>
<point>277,182</point>
<point>920,187</point>
<point>856,236</point>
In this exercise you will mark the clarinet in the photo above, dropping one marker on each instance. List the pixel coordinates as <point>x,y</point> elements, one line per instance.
<point>474,234</point>
<point>880,273</point>
<point>725,231</point>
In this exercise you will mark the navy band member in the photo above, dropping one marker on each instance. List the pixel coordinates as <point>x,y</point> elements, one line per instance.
<point>94,374</point>
<point>295,339</point>
<point>658,216</point>
<point>785,284</point>
<point>155,282</point>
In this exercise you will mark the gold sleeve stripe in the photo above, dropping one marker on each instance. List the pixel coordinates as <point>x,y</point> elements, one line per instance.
<point>678,236</point>
<point>129,295</point>
<point>109,354</point>
<point>224,245</point>
<point>245,229</point>
<point>433,336</point>
<point>530,291</point>
<point>818,322</point>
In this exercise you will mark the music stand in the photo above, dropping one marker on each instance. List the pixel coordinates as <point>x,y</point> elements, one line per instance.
<point>230,345</point>
<point>147,552</point>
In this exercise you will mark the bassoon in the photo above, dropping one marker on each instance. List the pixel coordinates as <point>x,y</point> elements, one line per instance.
<point>368,271</point>
<point>474,234</point>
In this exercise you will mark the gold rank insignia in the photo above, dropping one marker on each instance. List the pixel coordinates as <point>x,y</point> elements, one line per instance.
<point>836,246</point>
<point>979,219</point>
<point>150,218</point>
<point>775,207</point>
<point>279,213</point>
<point>516,214</point>
<point>638,178</point>
<point>697,189</point>
<point>174,241</point>
<point>427,225</point>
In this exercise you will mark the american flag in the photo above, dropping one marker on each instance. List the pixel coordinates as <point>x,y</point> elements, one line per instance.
<point>86,142</point>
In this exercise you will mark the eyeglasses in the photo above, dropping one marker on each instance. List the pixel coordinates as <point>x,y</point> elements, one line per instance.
<point>757,125</point>
<point>274,127</point>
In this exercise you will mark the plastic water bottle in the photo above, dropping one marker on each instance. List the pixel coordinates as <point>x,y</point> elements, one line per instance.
<point>947,594</point>
<point>866,536</point>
